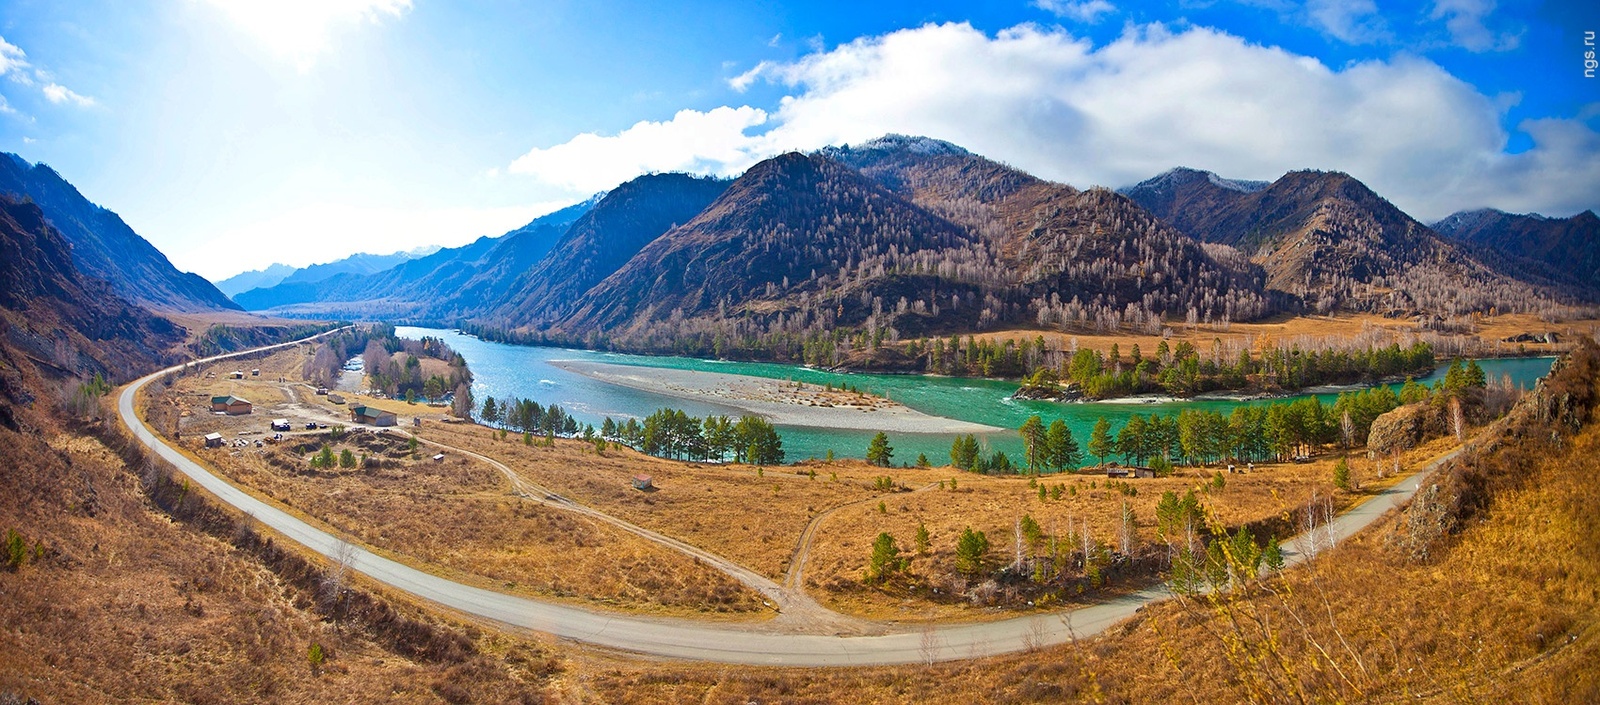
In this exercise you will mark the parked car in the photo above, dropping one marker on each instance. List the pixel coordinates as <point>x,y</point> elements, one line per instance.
<point>311,425</point>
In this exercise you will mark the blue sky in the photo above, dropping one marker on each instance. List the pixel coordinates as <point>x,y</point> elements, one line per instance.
<point>237,133</point>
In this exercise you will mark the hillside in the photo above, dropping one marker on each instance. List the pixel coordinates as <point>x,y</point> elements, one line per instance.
<point>1184,197</point>
<point>104,247</point>
<point>1328,241</point>
<point>1568,244</point>
<point>67,325</point>
<point>797,236</point>
<point>1084,258</point>
<point>601,242</point>
<point>897,237</point>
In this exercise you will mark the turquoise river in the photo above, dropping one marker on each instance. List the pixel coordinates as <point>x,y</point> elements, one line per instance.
<point>501,370</point>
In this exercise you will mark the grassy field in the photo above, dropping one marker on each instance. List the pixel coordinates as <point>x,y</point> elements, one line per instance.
<point>996,506</point>
<point>751,515</point>
<point>457,516</point>
<point>1506,610</point>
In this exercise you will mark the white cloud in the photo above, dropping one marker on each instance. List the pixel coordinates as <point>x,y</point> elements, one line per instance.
<point>299,31</point>
<point>1056,105</point>
<point>58,94</point>
<point>14,65</point>
<point>12,61</point>
<point>705,142</point>
<point>1353,21</point>
<point>315,233</point>
<point>1465,21</point>
<point>1086,11</point>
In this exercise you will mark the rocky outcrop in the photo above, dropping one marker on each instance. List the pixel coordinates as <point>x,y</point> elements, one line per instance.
<point>1404,428</point>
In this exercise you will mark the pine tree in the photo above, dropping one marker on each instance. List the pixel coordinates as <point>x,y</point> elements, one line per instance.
<point>1063,448</point>
<point>1100,443</point>
<point>1035,442</point>
<point>971,548</point>
<point>879,452</point>
<point>885,558</point>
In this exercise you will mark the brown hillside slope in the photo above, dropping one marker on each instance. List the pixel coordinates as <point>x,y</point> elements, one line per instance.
<point>69,324</point>
<point>1328,240</point>
<point>1568,244</point>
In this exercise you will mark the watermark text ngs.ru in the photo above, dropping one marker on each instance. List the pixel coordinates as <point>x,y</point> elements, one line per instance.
<point>1589,62</point>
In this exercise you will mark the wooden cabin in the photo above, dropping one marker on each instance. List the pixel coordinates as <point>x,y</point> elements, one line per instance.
<point>231,405</point>
<point>373,416</point>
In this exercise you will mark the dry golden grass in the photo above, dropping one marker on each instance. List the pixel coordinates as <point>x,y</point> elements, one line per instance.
<point>753,517</point>
<point>994,505</point>
<point>1508,614</point>
<point>457,517</point>
<point>128,606</point>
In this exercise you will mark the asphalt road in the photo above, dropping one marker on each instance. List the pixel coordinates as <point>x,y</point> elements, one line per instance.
<point>686,639</point>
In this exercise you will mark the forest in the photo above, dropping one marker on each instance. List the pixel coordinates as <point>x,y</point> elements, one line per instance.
<point>1278,431</point>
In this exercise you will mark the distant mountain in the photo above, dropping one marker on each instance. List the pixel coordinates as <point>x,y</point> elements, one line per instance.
<point>434,287</point>
<point>1327,240</point>
<point>70,324</point>
<point>105,247</point>
<point>1570,244</point>
<point>254,279</point>
<point>359,263</point>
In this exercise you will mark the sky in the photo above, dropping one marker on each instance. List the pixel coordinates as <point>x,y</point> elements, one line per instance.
<point>236,133</point>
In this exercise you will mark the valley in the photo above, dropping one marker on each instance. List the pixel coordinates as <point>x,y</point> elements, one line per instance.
<point>895,311</point>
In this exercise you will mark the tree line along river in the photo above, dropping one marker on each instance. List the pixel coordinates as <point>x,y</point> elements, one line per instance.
<point>501,370</point>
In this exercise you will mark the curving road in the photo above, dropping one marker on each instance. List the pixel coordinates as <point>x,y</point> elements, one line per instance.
<point>676,638</point>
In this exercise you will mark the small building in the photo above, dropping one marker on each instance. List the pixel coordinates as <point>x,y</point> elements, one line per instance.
<point>335,398</point>
<point>643,483</point>
<point>438,458</point>
<point>256,372</point>
<point>372,416</point>
<point>1118,472</point>
<point>213,440</point>
<point>237,374</point>
<point>322,391</point>
<point>280,424</point>
<point>1144,473</point>
<point>231,405</point>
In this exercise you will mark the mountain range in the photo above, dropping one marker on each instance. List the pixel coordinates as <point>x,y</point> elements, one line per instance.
<point>1329,241</point>
<point>275,274</point>
<point>452,282</point>
<point>903,237</point>
<point>910,236</point>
